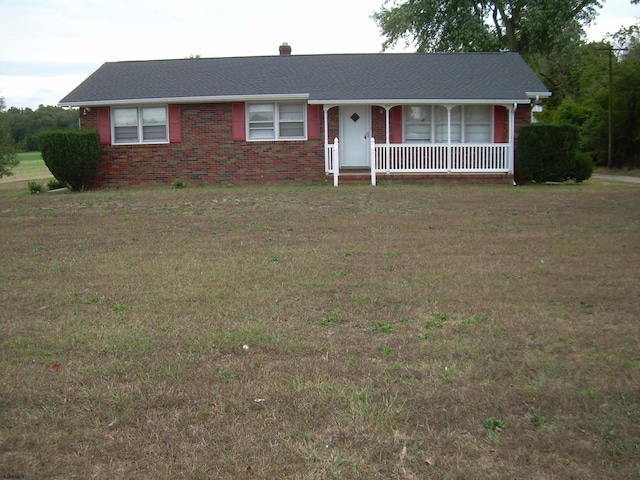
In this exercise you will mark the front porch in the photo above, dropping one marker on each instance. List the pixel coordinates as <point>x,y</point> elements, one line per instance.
<point>429,163</point>
<point>453,143</point>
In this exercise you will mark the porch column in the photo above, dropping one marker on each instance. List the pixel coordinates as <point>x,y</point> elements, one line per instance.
<point>325,110</point>
<point>449,107</point>
<point>373,160</point>
<point>387,149</point>
<point>336,161</point>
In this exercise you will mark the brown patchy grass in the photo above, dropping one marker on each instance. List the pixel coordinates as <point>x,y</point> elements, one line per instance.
<point>388,331</point>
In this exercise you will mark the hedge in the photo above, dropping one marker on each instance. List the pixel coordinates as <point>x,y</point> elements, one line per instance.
<point>72,156</point>
<point>549,153</point>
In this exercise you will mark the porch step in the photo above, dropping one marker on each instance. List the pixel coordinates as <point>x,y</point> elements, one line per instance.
<point>352,178</point>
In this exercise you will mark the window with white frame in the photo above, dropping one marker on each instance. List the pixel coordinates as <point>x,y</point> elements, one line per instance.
<point>430,124</point>
<point>276,121</point>
<point>477,123</point>
<point>417,124</point>
<point>140,125</point>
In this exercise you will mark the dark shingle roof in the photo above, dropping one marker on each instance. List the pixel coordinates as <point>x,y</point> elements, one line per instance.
<point>324,78</point>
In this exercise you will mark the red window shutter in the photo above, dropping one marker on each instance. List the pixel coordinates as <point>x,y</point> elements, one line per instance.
<point>313,121</point>
<point>238,129</point>
<point>175,124</point>
<point>395,121</point>
<point>104,125</point>
<point>499,119</point>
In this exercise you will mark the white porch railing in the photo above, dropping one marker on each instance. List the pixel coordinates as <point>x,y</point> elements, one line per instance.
<point>430,158</point>
<point>467,158</point>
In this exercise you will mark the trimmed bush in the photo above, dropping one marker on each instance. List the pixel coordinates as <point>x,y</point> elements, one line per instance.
<point>72,156</point>
<point>549,153</point>
<point>583,168</point>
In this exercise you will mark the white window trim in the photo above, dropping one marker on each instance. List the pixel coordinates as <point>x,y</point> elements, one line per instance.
<point>463,124</point>
<point>140,126</point>
<point>276,123</point>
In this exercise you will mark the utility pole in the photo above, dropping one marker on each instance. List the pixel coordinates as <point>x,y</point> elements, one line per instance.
<point>610,146</point>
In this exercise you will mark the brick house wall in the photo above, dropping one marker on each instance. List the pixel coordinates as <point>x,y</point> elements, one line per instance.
<point>207,154</point>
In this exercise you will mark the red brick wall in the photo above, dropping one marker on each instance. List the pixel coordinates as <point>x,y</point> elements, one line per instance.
<point>208,155</point>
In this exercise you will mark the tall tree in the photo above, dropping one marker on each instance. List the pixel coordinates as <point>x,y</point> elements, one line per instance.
<point>525,26</point>
<point>8,158</point>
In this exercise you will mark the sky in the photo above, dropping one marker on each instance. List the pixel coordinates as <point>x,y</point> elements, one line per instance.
<point>48,47</point>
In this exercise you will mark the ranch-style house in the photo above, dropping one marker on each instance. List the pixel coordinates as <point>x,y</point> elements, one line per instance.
<point>444,117</point>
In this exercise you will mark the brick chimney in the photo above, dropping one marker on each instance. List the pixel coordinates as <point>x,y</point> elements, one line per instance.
<point>285,49</point>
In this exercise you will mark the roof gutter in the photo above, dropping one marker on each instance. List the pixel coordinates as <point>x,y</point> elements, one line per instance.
<point>182,100</point>
<point>423,101</point>
<point>538,95</point>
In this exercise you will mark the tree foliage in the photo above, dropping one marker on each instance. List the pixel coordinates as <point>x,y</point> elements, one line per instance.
<point>25,125</point>
<point>8,158</point>
<point>526,26</point>
<point>585,100</point>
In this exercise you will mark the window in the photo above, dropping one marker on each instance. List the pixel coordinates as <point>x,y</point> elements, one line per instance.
<point>140,125</point>
<point>477,124</point>
<point>276,121</point>
<point>417,124</point>
<point>427,123</point>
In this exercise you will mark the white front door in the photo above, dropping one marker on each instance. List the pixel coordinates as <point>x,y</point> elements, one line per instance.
<point>355,126</point>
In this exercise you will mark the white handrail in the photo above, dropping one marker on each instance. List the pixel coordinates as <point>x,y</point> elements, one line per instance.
<point>336,162</point>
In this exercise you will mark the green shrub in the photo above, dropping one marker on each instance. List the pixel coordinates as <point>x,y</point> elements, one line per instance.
<point>55,184</point>
<point>583,168</point>
<point>179,183</point>
<point>546,153</point>
<point>35,187</point>
<point>72,156</point>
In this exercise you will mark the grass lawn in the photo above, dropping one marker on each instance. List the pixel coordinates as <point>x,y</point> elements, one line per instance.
<point>401,332</point>
<point>30,168</point>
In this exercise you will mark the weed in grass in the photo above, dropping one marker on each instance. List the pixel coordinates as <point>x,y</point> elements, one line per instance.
<point>476,319</point>
<point>493,424</point>
<point>387,351</point>
<point>385,327</point>
<point>330,318</point>
<point>590,393</point>
<point>120,307</point>
<point>439,319</point>
<point>35,187</point>
<point>227,375</point>
<point>178,183</point>
<point>538,420</point>
<point>446,376</point>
